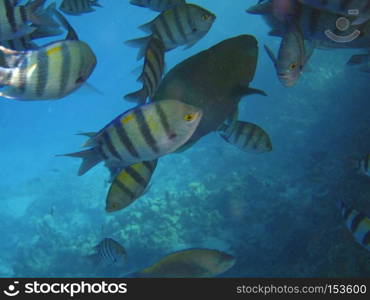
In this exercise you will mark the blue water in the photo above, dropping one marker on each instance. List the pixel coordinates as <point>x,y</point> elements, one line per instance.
<point>276,212</point>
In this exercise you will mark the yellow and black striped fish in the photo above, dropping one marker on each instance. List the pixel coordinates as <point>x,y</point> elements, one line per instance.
<point>50,72</point>
<point>143,133</point>
<point>158,5</point>
<point>184,24</point>
<point>357,223</point>
<point>152,72</point>
<point>247,137</point>
<point>130,184</point>
<point>19,20</point>
<point>78,7</point>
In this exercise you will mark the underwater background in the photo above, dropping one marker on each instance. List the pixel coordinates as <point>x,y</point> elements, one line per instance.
<point>275,212</point>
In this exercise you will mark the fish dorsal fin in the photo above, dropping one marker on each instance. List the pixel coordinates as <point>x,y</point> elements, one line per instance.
<point>71,35</point>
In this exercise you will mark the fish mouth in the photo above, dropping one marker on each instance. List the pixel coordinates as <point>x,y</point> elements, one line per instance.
<point>287,80</point>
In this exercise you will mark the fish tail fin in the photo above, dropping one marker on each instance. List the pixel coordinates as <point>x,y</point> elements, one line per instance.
<point>137,3</point>
<point>137,97</point>
<point>40,16</point>
<point>90,158</point>
<point>5,75</point>
<point>96,3</point>
<point>140,43</point>
<point>71,33</point>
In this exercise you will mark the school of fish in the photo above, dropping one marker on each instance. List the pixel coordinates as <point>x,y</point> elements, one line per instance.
<point>172,111</point>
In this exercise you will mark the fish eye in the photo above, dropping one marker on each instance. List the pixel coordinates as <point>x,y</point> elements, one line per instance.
<point>293,66</point>
<point>205,17</point>
<point>189,117</point>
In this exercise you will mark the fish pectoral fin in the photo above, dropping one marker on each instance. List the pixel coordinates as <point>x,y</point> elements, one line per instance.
<point>190,45</point>
<point>245,91</point>
<point>276,32</point>
<point>271,54</point>
<point>141,43</point>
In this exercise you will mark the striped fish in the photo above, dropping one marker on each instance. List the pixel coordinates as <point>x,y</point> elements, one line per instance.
<point>109,252</point>
<point>363,165</point>
<point>17,21</point>
<point>293,55</point>
<point>143,133</point>
<point>359,8</point>
<point>247,137</point>
<point>183,24</point>
<point>130,184</point>
<point>50,72</point>
<point>152,72</point>
<point>158,5</point>
<point>78,7</point>
<point>357,223</point>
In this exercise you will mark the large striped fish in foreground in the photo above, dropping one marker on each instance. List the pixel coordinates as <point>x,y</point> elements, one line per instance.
<point>183,24</point>
<point>143,133</point>
<point>214,80</point>
<point>109,252</point>
<point>152,72</point>
<point>129,184</point>
<point>358,8</point>
<point>293,55</point>
<point>197,263</point>
<point>357,223</point>
<point>78,7</point>
<point>19,20</point>
<point>50,72</point>
<point>246,136</point>
<point>157,5</point>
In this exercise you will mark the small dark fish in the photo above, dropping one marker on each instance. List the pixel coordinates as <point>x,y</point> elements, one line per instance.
<point>78,7</point>
<point>357,223</point>
<point>190,263</point>
<point>158,5</point>
<point>361,61</point>
<point>109,252</point>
